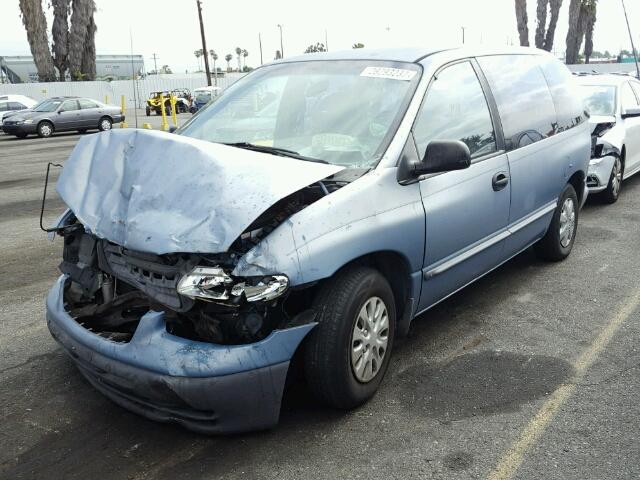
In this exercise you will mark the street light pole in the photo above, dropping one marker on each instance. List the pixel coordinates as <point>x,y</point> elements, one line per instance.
<point>260,42</point>
<point>633,48</point>
<point>462,35</point>
<point>281,45</point>
<point>204,44</point>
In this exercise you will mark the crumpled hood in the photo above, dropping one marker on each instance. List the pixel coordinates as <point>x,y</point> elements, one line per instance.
<point>161,193</point>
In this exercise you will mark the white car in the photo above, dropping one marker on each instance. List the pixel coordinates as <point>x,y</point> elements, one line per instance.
<point>14,103</point>
<point>613,101</point>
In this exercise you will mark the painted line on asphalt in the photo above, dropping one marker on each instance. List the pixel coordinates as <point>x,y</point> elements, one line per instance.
<point>513,458</point>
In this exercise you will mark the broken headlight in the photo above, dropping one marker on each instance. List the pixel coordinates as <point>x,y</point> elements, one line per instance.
<point>213,284</point>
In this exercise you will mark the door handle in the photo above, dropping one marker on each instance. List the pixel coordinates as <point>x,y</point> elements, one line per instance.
<point>499,181</point>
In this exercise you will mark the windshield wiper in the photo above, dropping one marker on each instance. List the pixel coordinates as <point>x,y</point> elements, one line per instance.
<point>283,152</point>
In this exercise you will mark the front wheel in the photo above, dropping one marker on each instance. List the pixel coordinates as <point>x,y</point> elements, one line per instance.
<point>557,243</point>
<point>45,129</point>
<point>611,193</point>
<point>347,354</point>
<point>147,110</point>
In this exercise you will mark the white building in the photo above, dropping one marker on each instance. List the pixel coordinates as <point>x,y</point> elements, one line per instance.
<point>22,69</point>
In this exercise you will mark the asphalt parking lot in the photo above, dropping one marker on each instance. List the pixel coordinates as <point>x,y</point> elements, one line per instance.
<point>532,372</point>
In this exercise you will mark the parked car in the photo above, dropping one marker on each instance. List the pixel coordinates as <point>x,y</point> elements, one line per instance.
<point>60,114</point>
<point>614,104</point>
<point>202,96</point>
<point>14,103</point>
<point>390,180</point>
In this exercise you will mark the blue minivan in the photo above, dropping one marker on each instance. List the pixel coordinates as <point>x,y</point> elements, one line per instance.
<point>198,265</point>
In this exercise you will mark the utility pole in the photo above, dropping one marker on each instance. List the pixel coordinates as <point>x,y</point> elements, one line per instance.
<point>326,40</point>
<point>281,46</point>
<point>204,44</point>
<point>462,35</point>
<point>155,62</point>
<point>633,48</point>
<point>260,42</point>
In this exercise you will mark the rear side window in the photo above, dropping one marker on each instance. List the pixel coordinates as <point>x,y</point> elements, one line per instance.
<point>525,105</point>
<point>568,104</point>
<point>455,108</point>
<point>86,104</point>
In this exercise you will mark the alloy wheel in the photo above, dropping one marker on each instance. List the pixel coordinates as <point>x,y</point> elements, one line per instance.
<point>369,339</point>
<point>567,222</point>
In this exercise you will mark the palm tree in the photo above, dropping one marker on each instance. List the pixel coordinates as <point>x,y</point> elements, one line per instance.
<point>35,24</point>
<point>228,58</point>
<point>198,54</point>
<point>541,20</point>
<point>582,13</point>
<point>553,21</point>
<point>81,21</point>
<point>358,45</point>
<point>60,35</point>
<point>238,53</point>
<point>214,57</point>
<point>590,23</point>
<point>522,19</point>
<point>89,48</point>
<point>245,54</point>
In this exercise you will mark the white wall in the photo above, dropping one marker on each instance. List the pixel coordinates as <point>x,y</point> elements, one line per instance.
<point>114,90</point>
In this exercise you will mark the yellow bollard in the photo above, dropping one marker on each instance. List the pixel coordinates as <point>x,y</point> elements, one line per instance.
<point>123,110</point>
<point>106,99</point>
<point>147,126</point>
<point>173,110</point>
<point>165,125</point>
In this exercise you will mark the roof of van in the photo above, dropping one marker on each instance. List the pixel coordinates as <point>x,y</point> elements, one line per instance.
<point>409,54</point>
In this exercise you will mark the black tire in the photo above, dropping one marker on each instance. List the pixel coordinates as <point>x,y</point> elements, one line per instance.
<point>612,192</point>
<point>45,129</point>
<point>82,130</point>
<point>104,124</point>
<point>328,364</point>
<point>147,110</point>
<point>552,246</point>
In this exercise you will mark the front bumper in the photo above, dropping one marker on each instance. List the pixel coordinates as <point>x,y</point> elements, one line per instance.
<point>204,387</point>
<point>12,129</point>
<point>599,173</point>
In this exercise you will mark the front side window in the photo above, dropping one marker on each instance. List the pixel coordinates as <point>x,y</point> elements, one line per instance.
<point>341,112</point>
<point>599,99</point>
<point>524,102</point>
<point>455,108</point>
<point>627,97</point>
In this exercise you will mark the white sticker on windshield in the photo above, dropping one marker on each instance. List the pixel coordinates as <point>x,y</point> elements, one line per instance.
<point>387,72</point>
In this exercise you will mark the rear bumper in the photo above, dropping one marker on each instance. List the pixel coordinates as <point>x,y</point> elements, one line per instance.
<point>204,387</point>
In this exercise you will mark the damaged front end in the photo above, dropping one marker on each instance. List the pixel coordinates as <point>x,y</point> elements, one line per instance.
<point>167,332</point>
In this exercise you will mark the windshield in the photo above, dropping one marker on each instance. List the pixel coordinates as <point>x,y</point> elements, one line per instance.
<point>47,106</point>
<point>342,112</point>
<point>600,99</point>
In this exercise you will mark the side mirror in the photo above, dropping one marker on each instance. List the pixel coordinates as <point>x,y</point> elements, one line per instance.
<point>631,112</point>
<point>60,111</point>
<point>443,156</point>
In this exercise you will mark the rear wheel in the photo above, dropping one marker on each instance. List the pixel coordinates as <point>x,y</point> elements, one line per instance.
<point>611,193</point>
<point>45,129</point>
<point>347,353</point>
<point>557,243</point>
<point>105,124</point>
